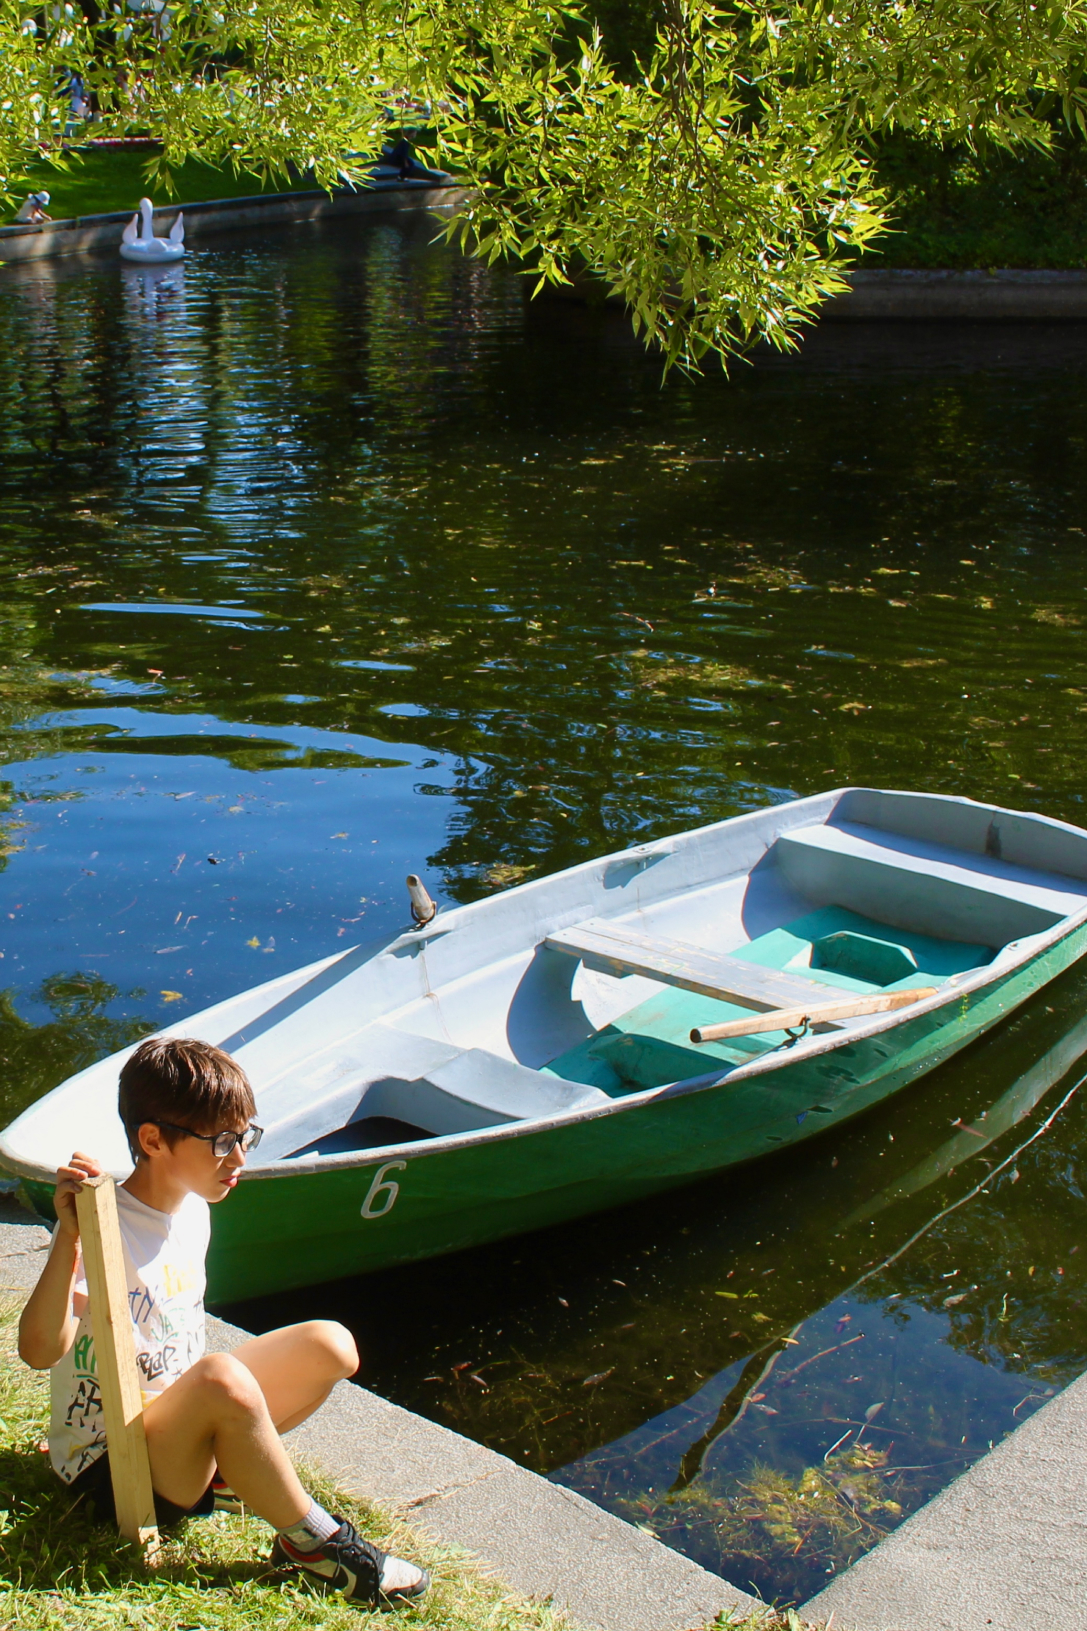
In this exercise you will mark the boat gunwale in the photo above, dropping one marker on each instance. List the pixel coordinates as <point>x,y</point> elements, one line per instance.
<point>811,1047</point>
<point>958,986</point>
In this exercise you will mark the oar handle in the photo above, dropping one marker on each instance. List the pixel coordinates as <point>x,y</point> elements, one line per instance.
<point>422,907</point>
<point>780,1019</point>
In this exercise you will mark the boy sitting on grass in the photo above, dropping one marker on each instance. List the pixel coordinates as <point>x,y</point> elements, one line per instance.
<point>212,1420</point>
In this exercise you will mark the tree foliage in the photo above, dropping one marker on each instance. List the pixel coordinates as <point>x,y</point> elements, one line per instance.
<point>721,181</point>
<point>32,59</point>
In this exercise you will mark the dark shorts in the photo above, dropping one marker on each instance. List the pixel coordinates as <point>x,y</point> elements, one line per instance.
<point>93,1484</point>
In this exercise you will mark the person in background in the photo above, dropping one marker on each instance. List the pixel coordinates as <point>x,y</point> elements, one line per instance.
<point>32,210</point>
<point>79,107</point>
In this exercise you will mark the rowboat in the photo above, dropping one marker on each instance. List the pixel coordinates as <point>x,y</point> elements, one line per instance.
<point>531,1057</point>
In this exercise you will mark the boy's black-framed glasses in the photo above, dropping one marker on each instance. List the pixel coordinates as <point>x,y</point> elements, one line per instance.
<point>222,1144</point>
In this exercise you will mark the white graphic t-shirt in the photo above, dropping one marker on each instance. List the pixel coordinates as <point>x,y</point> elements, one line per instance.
<point>164,1267</point>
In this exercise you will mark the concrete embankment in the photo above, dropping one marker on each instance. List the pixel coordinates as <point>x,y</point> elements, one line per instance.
<point>1001,296</point>
<point>918,296</point>
<point>87,233</point>
<point>545,1541</point>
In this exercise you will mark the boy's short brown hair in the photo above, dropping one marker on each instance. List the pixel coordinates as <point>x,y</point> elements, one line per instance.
<point>178,1079</point>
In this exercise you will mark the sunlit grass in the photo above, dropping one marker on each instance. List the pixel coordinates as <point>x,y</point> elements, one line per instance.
<point>58,1569</point>
<point>98,181</point>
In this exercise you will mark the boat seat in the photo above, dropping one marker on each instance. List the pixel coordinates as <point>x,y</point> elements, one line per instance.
<point>914,883</point>
<point>475,1080</point>
<point>613,949</point>
<point>400,1076</point>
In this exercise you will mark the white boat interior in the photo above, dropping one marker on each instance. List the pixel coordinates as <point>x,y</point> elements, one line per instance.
<point>571,992</point>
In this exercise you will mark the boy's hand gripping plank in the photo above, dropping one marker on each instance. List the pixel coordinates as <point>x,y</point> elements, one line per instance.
<point>115,1361</point>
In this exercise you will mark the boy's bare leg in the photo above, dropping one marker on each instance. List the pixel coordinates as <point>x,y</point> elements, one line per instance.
<point>215,1415</point>
<point>228,1411</point>
<point>298,1366</point>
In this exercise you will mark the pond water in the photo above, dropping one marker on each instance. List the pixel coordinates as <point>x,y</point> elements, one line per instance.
<point>325,560</point>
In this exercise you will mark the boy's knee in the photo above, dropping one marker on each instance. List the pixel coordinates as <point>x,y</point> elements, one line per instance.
<point>229,1383</point>
<point>335,1341</point>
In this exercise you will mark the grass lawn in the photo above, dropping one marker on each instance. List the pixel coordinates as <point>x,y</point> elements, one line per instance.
<point>59,1570</point>
<point>99,180</point>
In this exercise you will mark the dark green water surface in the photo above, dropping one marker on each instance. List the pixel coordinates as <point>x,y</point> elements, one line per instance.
<point>323,560</point>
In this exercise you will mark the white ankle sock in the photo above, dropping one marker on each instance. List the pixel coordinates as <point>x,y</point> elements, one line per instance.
<point>307,1534</point>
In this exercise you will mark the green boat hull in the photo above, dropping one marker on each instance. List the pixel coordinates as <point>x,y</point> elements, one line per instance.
<point>380,1211</point>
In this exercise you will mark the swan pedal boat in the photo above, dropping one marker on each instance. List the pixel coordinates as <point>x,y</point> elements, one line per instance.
<point>138,241</point>
<point>528,1058</point>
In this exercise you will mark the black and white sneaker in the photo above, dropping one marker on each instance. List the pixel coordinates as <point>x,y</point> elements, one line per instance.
<point>350,1564</point>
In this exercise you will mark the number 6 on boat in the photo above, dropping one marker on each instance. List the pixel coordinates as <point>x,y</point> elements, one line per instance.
<point>383,1186</point>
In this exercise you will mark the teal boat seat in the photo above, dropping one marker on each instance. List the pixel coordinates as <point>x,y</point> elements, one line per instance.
<point>881,962</point>
<point>645,1060</point>
<point>832,948</point>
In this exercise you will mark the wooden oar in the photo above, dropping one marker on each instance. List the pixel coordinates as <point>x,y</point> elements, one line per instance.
<point>780,1019</point>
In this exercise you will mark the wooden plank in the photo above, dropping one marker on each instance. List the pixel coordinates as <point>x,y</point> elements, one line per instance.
<point>614,950</point>
<point>782,1018</point>
<point>115,1362</point>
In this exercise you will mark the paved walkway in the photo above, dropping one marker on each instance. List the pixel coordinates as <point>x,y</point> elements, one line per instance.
<point>23,1243</point>
<point>545,1541</point>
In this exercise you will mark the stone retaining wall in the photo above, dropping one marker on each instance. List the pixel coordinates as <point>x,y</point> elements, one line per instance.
<point>962,296</point>
<point>86,233</point>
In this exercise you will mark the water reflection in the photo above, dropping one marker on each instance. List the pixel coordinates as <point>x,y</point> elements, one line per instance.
<point>36,1054</point>
<point>174,857</point>
<point>784,1509</point>
<point>622,609</point>
<point>326,560</point>
<point>144,286</point>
